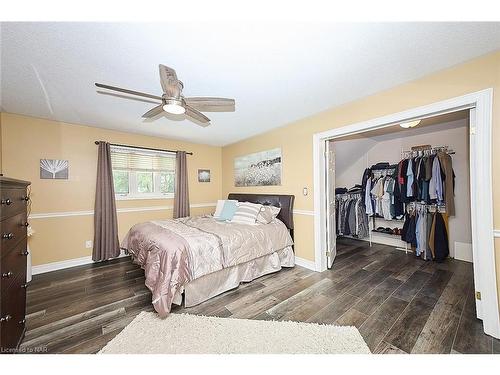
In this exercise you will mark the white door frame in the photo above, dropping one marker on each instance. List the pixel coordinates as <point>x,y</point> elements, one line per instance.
<point>481,189</point>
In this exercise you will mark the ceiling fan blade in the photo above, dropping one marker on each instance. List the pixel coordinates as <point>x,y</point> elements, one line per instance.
<point>167,72</point>
<point>153,111</point>
<point>209,104</point>
<point>119,89</point>
<point>169,82</point>
<point>200,118</point>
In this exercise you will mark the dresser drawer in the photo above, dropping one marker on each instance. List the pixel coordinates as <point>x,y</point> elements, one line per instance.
<point>13,265</point>
<point>12,314</point>
<point>12,201</point>
<point>12,230</point>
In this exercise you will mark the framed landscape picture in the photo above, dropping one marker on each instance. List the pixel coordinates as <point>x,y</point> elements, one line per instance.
<point>258,169</point>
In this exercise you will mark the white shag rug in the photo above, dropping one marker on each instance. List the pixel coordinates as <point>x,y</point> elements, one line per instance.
<point>192,334</point>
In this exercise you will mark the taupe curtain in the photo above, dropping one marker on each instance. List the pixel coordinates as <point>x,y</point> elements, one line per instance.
<point>106,243</point>
<point>181,194</point>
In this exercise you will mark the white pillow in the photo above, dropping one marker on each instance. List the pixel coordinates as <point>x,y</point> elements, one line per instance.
<point>267,214</point>
<point>220,206</point>
<point>246,213</point>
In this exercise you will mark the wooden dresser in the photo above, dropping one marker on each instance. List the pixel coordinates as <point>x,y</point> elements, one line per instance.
<point>13,256</point>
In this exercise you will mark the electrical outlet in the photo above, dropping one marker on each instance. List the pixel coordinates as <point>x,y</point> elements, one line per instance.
<point>88,244</point>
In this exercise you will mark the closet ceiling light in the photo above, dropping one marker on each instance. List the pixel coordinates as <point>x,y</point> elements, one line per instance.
<point>410,124</point>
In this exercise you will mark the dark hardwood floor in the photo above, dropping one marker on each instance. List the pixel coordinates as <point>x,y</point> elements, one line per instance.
<point>400,304</point>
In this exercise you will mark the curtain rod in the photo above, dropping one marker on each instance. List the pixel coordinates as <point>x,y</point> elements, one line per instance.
<point>142,148</point>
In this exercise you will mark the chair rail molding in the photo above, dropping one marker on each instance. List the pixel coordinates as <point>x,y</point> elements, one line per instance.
<point>118,210</point>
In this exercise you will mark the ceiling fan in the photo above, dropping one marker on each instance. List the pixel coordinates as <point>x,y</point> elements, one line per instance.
<point>172,100</point>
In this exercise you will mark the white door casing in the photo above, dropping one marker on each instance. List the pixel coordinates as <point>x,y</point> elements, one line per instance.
<point>481,189</point>
<point>474,220</point>
<point>330,203</point>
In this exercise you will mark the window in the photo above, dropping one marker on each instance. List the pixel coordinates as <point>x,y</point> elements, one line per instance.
<point>142,174</point>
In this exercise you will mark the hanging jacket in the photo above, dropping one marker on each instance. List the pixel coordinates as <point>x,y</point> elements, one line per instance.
<point>403,179</point>
<point>441,247</point>
<point>428,252</point>
<point>449,182</point>
<point>397,203</point>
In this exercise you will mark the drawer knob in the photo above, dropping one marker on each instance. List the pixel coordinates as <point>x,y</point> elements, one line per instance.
<point>22,321</point>
<point>5,318</point>
<point>26,253</point>
<point>26,224</point>
<point>7,201</point>
<point>24,286</point>
<point>26,198</point>
<point>8,236</point>
<point>7,274</point>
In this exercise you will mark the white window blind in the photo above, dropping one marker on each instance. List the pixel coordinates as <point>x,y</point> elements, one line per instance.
<point>141,160</point>
<point>142,173</point>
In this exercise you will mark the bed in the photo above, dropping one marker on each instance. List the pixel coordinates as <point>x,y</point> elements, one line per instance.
<point>196,258</point>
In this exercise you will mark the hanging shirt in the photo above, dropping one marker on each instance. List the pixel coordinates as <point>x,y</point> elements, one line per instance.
<point>436,183</point>
<point>409,175</point>
<point>421,233</point>
<point>417,235</point>
<point>378,194</point>
<point>386,200</point>
<point>364,184</point>
<point>367,197</point>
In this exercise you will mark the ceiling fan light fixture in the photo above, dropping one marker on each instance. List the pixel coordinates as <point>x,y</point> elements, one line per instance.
<point>174,107</point>
<point>409,124</point>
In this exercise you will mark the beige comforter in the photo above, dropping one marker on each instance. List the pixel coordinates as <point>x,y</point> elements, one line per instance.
<point>173,252</point>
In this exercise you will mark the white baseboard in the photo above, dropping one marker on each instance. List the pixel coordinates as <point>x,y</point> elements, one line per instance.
<point>49,267</point>
<point>309,264</point>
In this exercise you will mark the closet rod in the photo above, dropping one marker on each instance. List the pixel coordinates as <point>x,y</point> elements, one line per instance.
<point>432,149</point>
<point>348,194</point>
<point>142,148</point>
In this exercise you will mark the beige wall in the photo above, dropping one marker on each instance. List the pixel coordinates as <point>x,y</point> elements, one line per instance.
<point>26,140</point>
<point>295,139</point>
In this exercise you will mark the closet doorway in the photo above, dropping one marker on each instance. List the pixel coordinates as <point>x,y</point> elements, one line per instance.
<point>371,187</point>
<point>461,225</point>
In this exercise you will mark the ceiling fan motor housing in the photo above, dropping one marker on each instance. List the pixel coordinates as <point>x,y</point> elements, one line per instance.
<point>174,106</point>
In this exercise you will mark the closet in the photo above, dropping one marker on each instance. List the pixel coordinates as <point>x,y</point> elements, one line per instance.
<point>407,188</point>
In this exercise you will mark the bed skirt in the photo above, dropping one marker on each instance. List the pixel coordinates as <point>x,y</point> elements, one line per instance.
<point>213,284</point>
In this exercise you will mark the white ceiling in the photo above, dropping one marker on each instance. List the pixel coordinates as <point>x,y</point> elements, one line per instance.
<point>278,73</point>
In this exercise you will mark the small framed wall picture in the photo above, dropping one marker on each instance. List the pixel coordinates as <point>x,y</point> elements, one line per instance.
<point>54,169</point>
<point>203,175</point>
